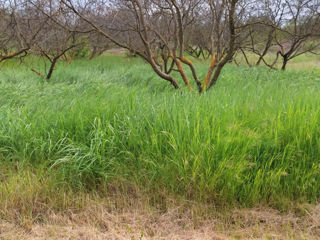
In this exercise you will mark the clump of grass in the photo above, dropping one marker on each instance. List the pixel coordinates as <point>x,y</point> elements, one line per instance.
<point>255,138</point>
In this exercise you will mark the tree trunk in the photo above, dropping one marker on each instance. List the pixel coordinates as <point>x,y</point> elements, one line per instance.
<point>284,63</point>
<point>53,64</point>
<point>216,75</point>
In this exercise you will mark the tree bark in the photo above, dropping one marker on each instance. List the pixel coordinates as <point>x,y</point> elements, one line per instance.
<point>284,63</point>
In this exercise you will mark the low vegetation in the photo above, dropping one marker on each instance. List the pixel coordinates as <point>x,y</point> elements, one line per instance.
<point>254,139</point>
<point>160,107</point>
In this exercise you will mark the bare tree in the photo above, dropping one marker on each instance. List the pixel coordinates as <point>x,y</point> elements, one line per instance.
<point>55,41</point>
<point>300,33</point>
<point>17,33</point>
<point>97,44</point>
<point>197,43</point>
<point>288,28</point>
<point>261,27</point>
<point>156,31</point>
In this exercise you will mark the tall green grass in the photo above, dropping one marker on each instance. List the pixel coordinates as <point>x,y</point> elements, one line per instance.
<point>255,138</point>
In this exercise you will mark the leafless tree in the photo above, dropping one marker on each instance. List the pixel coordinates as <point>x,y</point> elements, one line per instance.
<point>289,28</point>
<point>300,31</point>
<point>156,31</point>
<point>55,41</point>
<point>197,43</point>
<point>97,44</point>
<point>261,27</point>
<point>162,32</point>
<point>17,31</point>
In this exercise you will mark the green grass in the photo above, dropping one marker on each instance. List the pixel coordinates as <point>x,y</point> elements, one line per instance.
<point>303,62</point>
<point>253,139</point>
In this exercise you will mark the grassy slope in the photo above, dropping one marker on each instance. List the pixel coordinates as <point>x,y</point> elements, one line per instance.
<point>255,138</point>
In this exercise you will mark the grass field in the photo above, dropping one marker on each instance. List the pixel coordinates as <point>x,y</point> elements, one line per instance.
<point>110,125</point>
<point>307,61</point>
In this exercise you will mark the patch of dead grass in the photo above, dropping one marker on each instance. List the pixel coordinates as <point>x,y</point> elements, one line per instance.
<point>32,207</point>
<point>100,220</point>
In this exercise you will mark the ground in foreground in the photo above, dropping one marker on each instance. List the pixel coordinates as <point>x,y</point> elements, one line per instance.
<point>99,221</point>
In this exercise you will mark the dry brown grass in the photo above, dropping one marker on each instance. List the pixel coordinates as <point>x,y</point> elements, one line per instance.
<point>104,219</point>
<point>33,207</point>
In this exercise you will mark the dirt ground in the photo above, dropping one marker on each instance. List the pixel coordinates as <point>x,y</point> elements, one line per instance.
<point>100,223</point>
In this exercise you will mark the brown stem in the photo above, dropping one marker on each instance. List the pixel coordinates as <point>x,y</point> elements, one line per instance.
<point>37,72</point>
<point>194,74</point>
<point>14,54</point>
<point>210,71</point>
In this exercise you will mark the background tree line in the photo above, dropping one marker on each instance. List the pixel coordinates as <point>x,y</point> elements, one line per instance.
<point>166,34</point>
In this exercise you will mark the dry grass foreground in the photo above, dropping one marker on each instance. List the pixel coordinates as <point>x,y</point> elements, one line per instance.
<point>100,221</point>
